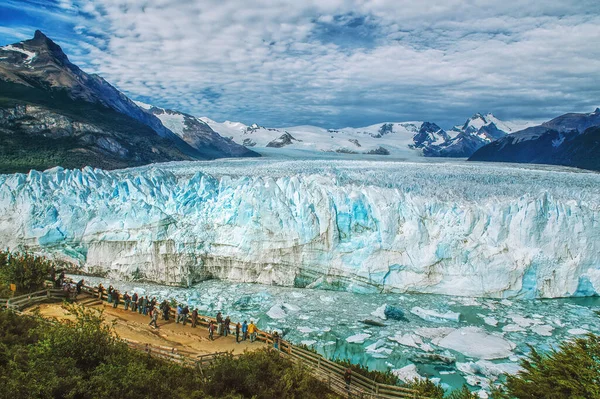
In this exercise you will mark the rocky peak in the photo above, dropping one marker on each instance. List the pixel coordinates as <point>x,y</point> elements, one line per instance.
<point>43,44</point>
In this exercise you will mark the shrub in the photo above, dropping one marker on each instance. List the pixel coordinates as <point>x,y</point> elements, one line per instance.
<point>572,371</point>
<point>25,270</point>
<point>426,388</point>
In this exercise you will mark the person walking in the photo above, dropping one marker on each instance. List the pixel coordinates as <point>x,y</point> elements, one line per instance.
<point>244,331</point>
<point>252,331</point>
<point>194,318</point>
<point>348,379</point>
<point>238,328</point>
<point>211,330</point>
<point>154,316</point>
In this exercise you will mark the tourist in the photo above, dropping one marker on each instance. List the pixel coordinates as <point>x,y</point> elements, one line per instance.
<point>166,310</point>
<point>127,300</point>
<point>211,330</point>
<point>252,331</point>
<point>184,314</point>
<point>110,293</point>
<point>115,299</point>
<point>227,323</point>
<point>194,318</point>
<point>150,308</point>
<point>145,306</point>
<point>134,299</point>
<point>244,330</point>
<point>276,340</point>
<point>79,285</point>
<point>154,315</point>
<point>100,291</point>
<point>141,304</point>
<point>178,313</point>
<point>348,379</point>
<point>238,327</point>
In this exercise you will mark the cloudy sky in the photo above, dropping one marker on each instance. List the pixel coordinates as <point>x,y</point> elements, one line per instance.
<point>333,63</point>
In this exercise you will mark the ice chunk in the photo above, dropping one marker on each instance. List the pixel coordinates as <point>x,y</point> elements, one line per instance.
<point>432,315</point>
<point>544,330</point>
<point>476,342</point>
<point>276,312</point>
<point>411,340</point>
<point>380,312</point>
<point>578,331</point>
<point>491,321</point>
<point>408,373</point>
<point>358,338</point>
<point>513,328</point>
<point>308,343</point>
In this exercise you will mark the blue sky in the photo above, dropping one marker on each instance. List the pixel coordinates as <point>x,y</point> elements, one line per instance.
<point>332,63</point>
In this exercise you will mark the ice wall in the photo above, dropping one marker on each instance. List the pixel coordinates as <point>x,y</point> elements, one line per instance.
<point>455,229</point>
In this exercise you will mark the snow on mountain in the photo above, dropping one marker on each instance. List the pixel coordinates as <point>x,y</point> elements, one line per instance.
<point>196,133</point>
<point>405,139</point>
<point>569,139</point>
<point>473,230</point>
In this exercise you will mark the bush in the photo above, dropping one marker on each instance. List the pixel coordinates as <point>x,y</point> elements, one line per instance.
<point>426,388</point>
<point>378,376</point>
<point>573,371</point>
<point>25,270</point>
<point>462,393</point>
<point>83,359</point>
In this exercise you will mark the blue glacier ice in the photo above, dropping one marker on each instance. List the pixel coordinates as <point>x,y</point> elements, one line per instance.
<point>453,228</point>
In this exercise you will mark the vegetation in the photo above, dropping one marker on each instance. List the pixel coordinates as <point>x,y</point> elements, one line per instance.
<point>378,376</point>
<point>27,271</point>
<point>83,359</point>
<point>426,388</point>
<point>572,371</point>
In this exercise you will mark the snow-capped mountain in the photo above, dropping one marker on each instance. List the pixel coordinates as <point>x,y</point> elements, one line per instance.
<point>53,113</point>
<point>572,139</point>
<point>196,133</point>
<point>478,131</point>
<point>406,139</point>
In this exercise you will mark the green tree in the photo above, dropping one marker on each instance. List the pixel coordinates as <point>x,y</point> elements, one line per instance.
<point>572,371</point>
<point>27,271</point>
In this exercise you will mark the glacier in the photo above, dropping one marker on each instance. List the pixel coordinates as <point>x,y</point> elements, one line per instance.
<point>480,230</point>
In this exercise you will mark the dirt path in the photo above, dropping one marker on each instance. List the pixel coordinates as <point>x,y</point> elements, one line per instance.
<point>134,326</point>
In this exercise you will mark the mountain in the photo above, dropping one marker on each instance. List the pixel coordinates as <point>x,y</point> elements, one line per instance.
<point>53,113</point>
<point>478,131</point>
<point>403,139</point>
<point>197,133</point>
<point>570,140</point>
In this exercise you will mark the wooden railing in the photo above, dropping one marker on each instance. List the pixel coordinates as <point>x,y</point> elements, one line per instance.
<point>321,368</point>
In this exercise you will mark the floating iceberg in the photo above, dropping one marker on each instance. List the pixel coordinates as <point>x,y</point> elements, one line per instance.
<point>476,342</point>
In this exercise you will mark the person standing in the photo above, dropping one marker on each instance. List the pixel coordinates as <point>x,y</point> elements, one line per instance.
<point>227,323</point>
<point>134,299</point>
<point>194,318</point>
<point>145,304</point>
<point>100,291</point>
<point>211,330</point>
<point>238,328</point>
<point>154,316</point>
<point>252,331</point>
<point>184,313</point>
<point>110,294</point>
<point>127,300</point>
<point>178,313</point>
<point>166,310</point>
<point>244,331</point>
<point>79,285</point>
<point>276,340</point>
<point>116,298</point>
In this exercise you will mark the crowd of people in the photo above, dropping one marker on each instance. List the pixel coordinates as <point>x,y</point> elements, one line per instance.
<point>150,307</point>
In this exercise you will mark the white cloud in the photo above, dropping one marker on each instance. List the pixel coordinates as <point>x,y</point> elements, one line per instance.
<point>272,61</point>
